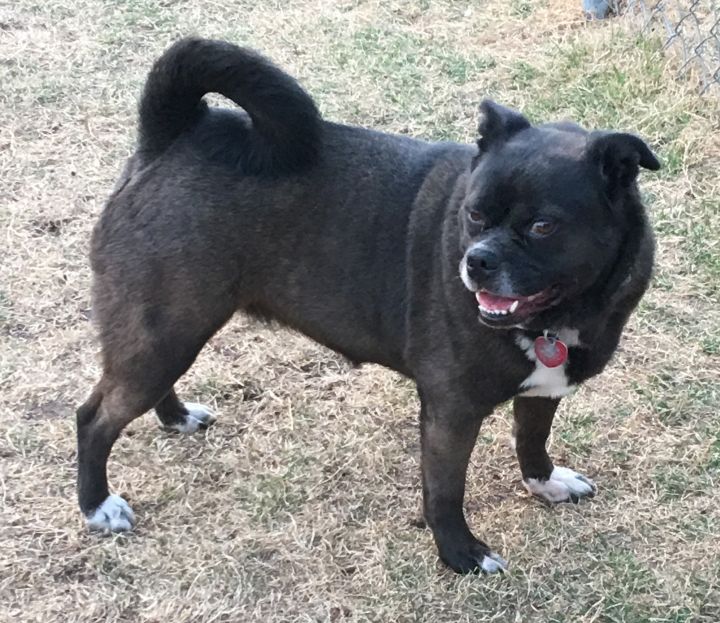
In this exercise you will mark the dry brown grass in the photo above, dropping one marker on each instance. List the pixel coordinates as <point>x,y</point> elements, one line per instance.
<point>301,503</point>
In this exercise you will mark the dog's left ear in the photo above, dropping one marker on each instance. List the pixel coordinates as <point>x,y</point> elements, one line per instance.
<point>497,124</point>
<point>619,157</point>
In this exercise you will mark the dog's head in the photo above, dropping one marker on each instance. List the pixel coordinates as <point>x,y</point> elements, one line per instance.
<point>545,214</point>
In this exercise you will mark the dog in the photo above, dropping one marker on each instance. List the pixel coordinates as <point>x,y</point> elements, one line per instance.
<point>504,270</point>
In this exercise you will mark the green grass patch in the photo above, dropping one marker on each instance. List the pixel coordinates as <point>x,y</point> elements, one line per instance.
<point>678,401</point>
<point>577,432</point>
<point>603,90</point>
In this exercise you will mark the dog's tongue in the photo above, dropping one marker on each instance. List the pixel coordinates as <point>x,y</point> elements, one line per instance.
<point>493,302</point>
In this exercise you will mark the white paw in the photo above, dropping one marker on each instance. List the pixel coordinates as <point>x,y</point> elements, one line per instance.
<point>492,563</point>
<point>564,485</point>
<point>113,515</point>
<point>198,416</point>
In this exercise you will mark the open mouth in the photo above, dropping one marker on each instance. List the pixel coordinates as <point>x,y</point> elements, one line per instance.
<point>511,310</point>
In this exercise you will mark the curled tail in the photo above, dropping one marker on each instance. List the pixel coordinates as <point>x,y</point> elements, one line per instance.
<point>285,121</point>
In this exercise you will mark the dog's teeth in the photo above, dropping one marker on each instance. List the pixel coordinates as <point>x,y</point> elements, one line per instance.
<point>493,312</point>
<point>514,306</point>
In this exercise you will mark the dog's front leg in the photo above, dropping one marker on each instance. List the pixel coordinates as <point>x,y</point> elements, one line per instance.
<point>448,436</point>
<point>533,420</point>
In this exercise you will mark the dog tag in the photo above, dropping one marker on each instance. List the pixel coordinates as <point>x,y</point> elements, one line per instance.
<point>550,351</point>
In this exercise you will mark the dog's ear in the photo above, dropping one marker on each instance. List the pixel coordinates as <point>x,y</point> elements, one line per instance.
<point>619,157</point>
<point>497,124</point>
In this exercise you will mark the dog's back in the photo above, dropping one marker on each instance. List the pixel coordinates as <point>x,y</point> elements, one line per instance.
<point>217,205</point>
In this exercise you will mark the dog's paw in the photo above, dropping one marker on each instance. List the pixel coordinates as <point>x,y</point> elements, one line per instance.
<point>113,515</point>
<point>472,557</point>
<point>493,563</point>
<point>564,485</point>
<point>197,417</point>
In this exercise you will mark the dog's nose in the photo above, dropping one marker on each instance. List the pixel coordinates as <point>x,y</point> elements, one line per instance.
<point>481,261</point>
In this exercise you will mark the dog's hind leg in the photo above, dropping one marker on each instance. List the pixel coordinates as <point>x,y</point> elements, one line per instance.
<point>110,408</point>
<point>182,417</point>
<point>141,363</point>
<point>117,401</point>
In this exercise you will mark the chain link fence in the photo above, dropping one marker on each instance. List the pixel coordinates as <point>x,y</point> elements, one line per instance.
<point>690,29</point>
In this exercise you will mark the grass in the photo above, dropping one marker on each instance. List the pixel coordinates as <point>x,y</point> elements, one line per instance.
<point>303,502</point>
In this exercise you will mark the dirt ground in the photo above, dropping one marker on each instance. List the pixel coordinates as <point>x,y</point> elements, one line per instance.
<point>302,502</point>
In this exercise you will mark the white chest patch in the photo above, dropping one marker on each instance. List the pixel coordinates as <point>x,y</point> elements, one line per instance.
<point>543,381</point>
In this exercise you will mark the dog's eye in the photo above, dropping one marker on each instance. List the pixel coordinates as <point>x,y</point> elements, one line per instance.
<point>477,218</point>
<point>542,228</point>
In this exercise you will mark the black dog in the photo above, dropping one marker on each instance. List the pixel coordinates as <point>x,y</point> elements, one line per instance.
<point>380,247</point>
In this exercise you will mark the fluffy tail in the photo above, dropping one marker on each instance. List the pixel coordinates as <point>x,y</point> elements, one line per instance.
<point>286,123</point>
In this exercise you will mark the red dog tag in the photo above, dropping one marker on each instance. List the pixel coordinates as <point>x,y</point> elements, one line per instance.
<point>550,351</point>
